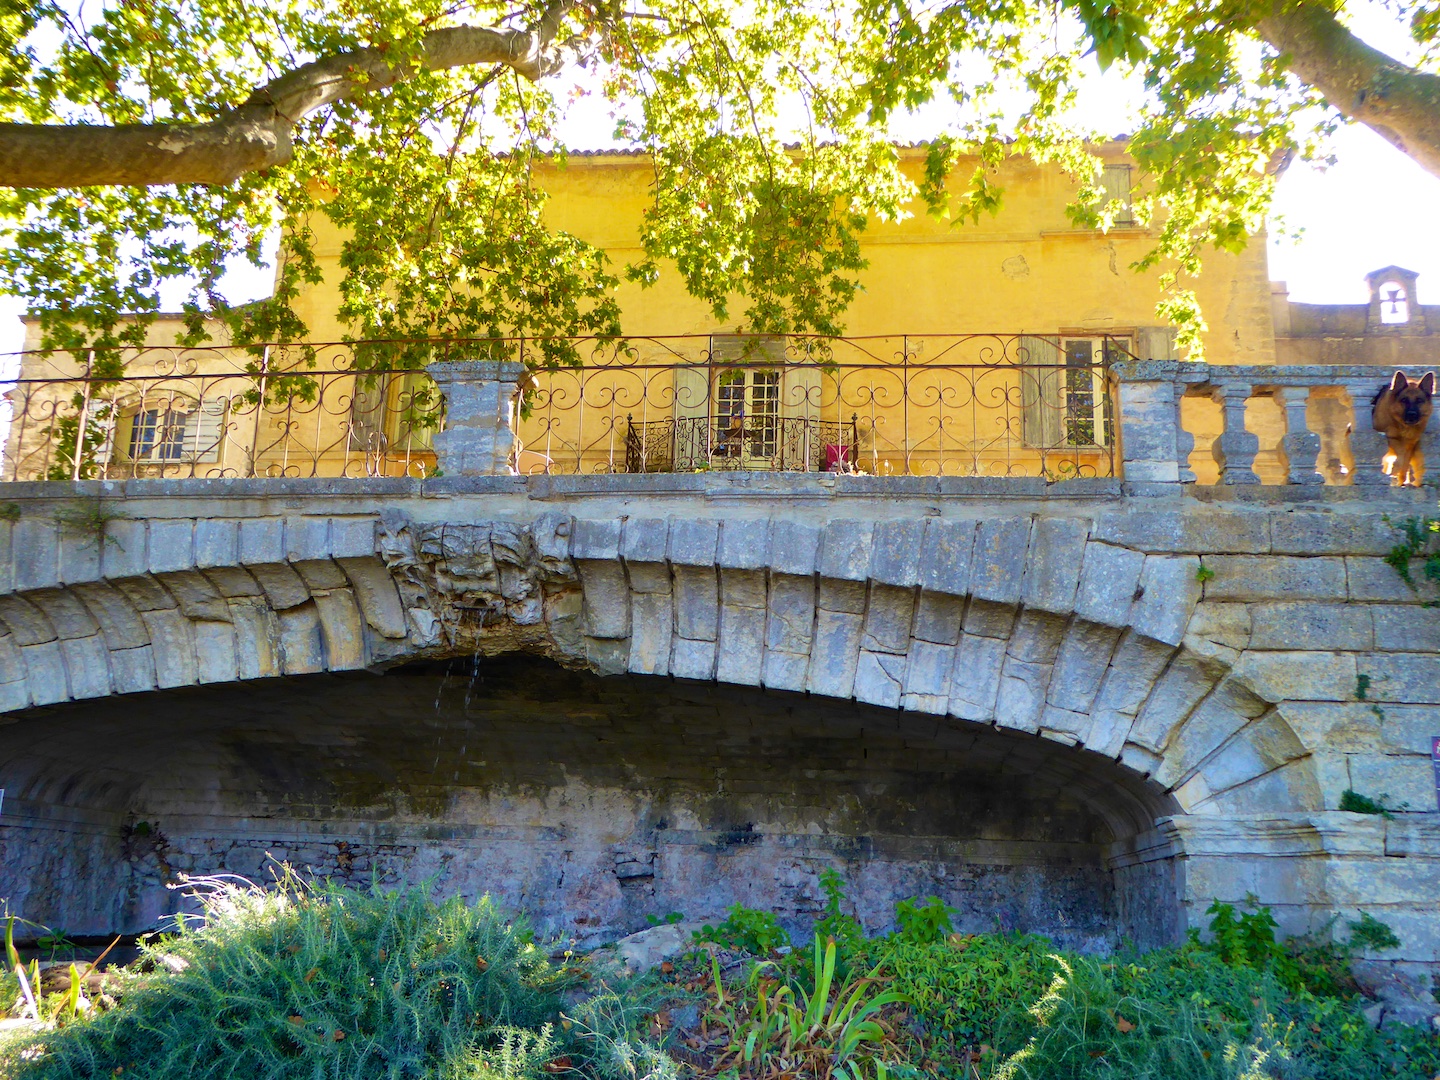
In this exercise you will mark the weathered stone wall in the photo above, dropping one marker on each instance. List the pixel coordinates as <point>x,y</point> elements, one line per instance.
<point>1070,616</point>
<point>589,802</point>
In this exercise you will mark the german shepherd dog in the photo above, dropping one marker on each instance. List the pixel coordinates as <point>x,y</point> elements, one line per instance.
<point>1401,410</point>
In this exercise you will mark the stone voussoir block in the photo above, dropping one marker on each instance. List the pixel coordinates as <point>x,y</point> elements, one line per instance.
<point>376,593</point>
<point>118,620</point>
<point>595,540</point>
<point>65,611</point>
<point>26,623</point>
<point>352,537</point>
<point>307,539</point>
<point>897,548</point>
<point>744,544</point>
<point>217,542</point>
<point>1109,577</point>
<point>172,545</point>
<point>794,546</point>
<point>607,598</point>
<point>697,603</point>
<point>879,678</point>
<point>997,565</point>
<point>1168,592</point>
<point>946,556</point>
<point>35,549</point>
<point>834,654</point>
<point>123,553</point>
<point>45,677</point>
<point>87,664</point>
<point>645,540</point>
<point>845,547</point>
<point>1052,572</point>
<point>694,542</point>
<point>887,619</point>
<point>262,540</point>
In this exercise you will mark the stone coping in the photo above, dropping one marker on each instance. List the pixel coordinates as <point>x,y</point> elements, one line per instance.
<point>718,486</point>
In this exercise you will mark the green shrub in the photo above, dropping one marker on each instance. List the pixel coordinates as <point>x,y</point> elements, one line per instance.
<point>923,923</point>
<point>315,982</point>
<point>969,991</point>
<point>755,932</point>
<point>1372,934</point>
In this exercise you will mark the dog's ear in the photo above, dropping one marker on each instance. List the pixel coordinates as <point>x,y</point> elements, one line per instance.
<point>1399,382</point>
<point>1427,384</point>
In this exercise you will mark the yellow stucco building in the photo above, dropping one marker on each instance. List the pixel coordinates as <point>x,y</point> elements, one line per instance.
<point>978,349</point>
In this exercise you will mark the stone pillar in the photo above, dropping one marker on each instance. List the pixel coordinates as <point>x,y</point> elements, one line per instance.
<point>1300,446</point>
<point>479,434</point>
<point>1155,448</point>
<point>1367,446</point>
<point>1235,448</point>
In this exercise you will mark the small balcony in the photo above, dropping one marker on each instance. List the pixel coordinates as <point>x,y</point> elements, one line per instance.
<point>766,443</point>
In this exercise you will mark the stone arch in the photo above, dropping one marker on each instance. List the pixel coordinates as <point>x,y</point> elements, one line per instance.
<point>1040,627</point>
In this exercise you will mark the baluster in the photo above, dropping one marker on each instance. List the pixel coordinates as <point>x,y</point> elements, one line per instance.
<point>1367,446</point>
<point>1300,446</point>
<point>1184,441</point>
<point>1235,448</point>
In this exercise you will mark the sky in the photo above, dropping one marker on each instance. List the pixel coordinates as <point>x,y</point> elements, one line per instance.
<point>1374,207</point>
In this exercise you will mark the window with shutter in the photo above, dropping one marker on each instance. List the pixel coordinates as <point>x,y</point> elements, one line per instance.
<point>1064,400</point>
<point>177,429</point>
<point>1115,179</point>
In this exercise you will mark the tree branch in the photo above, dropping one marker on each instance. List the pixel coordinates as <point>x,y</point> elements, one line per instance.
<point>1399,102</point>
<point>255,134</point>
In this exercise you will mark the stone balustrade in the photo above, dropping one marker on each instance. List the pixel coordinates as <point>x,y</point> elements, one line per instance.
<point>1343,448</point>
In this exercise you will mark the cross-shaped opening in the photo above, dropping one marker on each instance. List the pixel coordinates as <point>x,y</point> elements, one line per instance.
<point>1394,304</point>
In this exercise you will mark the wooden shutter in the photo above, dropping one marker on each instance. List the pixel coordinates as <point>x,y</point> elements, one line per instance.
<point>105,418</point>
<point>1040,404</point>
<point>692,417</point>
<point>204,427</point>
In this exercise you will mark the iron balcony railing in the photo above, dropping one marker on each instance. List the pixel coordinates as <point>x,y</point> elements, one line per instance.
<point>767,443</point>
<point>982,404</point>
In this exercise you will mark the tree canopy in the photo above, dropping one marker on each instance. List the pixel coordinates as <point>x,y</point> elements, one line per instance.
<point>149,142</point>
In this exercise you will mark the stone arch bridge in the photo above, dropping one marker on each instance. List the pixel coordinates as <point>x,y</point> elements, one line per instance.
<point>1025,698</point>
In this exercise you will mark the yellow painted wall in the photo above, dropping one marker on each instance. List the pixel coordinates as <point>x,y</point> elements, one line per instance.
<point>1026,270</point>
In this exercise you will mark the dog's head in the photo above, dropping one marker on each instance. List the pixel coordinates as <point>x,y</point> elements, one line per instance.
<point>1412,397</point>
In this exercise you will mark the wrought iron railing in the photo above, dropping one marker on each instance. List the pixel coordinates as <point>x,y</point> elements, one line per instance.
<point>767,443</point>
<point>216,412</point>
<point>992,404</point>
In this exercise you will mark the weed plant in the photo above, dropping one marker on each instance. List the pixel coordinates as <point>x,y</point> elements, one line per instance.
<point>315,982</point>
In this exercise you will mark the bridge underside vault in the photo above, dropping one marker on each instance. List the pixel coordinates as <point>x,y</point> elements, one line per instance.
<point>588,802</point>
